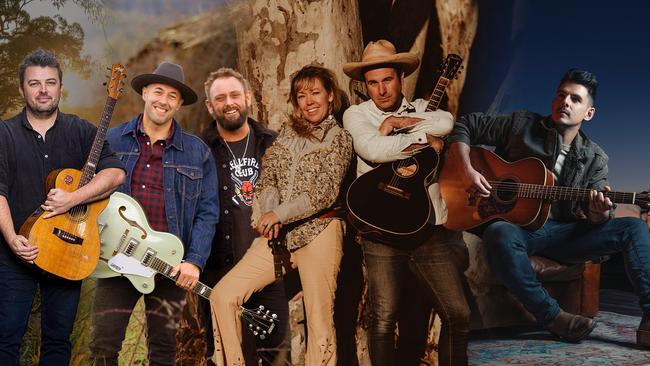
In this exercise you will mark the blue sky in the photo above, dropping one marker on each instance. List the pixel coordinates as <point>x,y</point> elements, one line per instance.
<point>523,52</point>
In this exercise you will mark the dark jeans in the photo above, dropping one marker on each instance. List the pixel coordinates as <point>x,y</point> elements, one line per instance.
<point>59,300</point>
<point>438,278</point>
<point>114,301</point>
<point>509,246</point>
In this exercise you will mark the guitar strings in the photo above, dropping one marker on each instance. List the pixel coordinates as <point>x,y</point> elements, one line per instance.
<point>568,192</point>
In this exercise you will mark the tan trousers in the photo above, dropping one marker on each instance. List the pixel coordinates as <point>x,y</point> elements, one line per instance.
<point>318,266</point>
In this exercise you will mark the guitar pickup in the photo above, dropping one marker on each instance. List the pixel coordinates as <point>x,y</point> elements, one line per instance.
<point>148,257</point>
<point>394,191</point>
<point>67,237</point>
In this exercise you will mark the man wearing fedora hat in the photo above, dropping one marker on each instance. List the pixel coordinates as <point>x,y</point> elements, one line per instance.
<point>172,174</point>
<point>371,125</point>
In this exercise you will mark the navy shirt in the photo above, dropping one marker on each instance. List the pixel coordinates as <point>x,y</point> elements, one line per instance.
<point>26,159</point>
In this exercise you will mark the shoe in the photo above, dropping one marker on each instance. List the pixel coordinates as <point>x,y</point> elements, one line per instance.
<point>643,334</point>
<point>572,328</point>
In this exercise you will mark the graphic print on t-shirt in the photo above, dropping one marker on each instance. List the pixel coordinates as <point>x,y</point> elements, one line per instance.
<point>244,173</point>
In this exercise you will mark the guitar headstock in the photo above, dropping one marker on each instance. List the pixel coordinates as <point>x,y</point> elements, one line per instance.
<point>116,81</point>
<point>451,66</point>
<point>260,321</point>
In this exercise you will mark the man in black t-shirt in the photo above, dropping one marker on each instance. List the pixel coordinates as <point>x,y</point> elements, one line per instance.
<point>238,143</point>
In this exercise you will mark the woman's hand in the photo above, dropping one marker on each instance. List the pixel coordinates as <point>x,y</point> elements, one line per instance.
<point>269,225</point>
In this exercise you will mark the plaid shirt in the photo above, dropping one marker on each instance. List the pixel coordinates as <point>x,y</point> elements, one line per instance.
<point>147,179</point>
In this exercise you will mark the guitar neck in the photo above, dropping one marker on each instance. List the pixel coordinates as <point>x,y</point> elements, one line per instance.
<point>556,193</point>
<point>165,269</point>
<point>438,93</point>
<point>96,150</point>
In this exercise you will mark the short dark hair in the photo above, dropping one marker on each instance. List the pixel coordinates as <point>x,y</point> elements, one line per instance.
<point>584,78</point>
<point>40,58</point>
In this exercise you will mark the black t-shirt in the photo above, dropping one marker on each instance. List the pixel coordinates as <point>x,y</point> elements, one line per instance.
<point>244,173</point>
<point>26,159</point>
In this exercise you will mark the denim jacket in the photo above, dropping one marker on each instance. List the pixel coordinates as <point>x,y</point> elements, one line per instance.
<point>526,134</point>
<point>190,178</point>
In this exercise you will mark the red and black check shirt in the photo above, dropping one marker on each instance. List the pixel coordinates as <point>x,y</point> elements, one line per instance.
<point>147,179</point>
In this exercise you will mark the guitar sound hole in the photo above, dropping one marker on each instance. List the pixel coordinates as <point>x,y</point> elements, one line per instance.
<point>406,168</point>
<point>506,192</point>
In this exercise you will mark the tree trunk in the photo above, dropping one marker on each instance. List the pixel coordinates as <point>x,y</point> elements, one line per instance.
<point>275,38</point>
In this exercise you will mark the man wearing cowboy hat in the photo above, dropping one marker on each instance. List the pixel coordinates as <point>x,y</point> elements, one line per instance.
<point>371,125</point>
<point>172,174</point>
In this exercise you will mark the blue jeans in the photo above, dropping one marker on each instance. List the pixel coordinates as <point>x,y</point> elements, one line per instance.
<point>59,300</point>
<point>509,246</point>
<point>437,277</point>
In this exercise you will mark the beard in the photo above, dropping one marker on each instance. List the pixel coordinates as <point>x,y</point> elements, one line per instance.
<point>231,125</point>
<point>41,110</point>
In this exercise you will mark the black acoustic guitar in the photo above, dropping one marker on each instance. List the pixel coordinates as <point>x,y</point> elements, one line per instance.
<point>391,200</point>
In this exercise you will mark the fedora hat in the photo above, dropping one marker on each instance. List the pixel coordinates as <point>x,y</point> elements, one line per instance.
<point>167,73</point>
<point>378,53</point>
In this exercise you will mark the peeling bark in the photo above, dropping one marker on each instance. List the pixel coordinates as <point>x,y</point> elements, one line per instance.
<point>277,37</point>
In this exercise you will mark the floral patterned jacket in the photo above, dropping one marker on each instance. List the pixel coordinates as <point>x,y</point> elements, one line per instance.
<point>301,177</point>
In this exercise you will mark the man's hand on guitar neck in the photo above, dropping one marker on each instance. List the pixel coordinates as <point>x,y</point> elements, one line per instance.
<point>186,274</point>
<point>599,206</point>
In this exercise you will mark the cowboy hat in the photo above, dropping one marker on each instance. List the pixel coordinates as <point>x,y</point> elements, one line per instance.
<point>167,73</point>
<point>378,53</point>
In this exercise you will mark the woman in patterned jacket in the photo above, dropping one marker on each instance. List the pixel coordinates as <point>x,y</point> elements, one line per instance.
<point>301,179</point>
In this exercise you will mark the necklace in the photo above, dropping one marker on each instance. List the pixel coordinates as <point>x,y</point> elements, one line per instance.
<point>238,163</point>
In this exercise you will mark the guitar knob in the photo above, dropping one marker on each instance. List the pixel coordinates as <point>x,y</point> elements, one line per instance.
<point>274,316</point>
<point>250,326</point>
<point>262,307</point>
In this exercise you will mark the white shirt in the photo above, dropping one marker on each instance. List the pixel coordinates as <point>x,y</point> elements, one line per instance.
<point>363,121</point>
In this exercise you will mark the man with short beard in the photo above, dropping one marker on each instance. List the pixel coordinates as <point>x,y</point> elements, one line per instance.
<point>171,173</point>
<point>33,143</point>
<point>238,143</point>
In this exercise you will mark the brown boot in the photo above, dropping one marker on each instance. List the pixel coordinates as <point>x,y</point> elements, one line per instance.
<point>571,328</point>
<point>643,334</point>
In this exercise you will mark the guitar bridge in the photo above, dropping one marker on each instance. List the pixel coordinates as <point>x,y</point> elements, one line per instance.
<point>394,190</point>
<point>67,237</point>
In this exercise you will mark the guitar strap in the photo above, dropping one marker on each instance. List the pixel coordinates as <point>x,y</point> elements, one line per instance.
<point>281,255</point>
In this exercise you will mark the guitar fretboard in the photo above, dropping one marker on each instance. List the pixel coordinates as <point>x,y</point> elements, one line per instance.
<point>557,193</point>
<point>98,143</point>
<point>438,93</point>
<point>165,269</point>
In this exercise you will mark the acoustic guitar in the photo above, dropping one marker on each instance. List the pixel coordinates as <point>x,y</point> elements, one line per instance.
<point>131,248</point>
<point>522,192</point>
<point>68,244</point>
<point>391,200</point>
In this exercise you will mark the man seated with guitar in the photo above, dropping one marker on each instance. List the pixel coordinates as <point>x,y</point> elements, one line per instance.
<point>37,141</point>
<point>172,174</point>
<point>577,230</point>
<point>390,263</point>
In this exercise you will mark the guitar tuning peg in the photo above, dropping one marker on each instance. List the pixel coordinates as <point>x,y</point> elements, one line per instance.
<point>262,307</point>
<point>250,326</point>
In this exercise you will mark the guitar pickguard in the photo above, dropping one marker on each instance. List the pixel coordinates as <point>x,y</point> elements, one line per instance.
<point>491,207</point>
<point>126,265</point>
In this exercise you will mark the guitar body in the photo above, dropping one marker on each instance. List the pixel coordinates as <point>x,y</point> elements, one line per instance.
<point>393,198</point>
<point>467,211</point>
<point>127,241</point>
<point>68,244</point>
